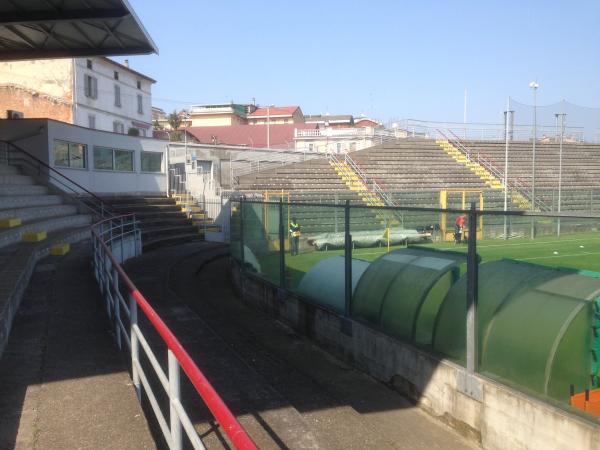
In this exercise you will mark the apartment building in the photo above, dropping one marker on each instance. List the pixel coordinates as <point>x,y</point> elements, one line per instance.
<point>96,93</point>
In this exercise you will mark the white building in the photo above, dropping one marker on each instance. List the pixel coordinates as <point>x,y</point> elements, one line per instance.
<point>341,140</point>
<point>104,163</point>
<point>112,97</point>
<point>96,93</point>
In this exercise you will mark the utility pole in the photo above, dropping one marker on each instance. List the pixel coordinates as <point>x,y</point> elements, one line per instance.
<point>268,127</point>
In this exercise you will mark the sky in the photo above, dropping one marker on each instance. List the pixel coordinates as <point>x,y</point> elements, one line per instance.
<point>385,59</point>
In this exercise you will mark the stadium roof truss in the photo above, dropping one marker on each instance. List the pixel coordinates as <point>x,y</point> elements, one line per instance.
<point>33,29</point>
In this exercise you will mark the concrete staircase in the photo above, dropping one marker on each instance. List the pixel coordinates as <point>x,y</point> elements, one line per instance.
<point>34,209</point>
<point>370,198</point>
<point>28,211</point>
<point>195,213</point>
<point>163,220</point>
<point>483,173</point>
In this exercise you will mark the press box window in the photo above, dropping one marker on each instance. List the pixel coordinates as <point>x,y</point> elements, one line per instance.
<point>70,154</point>
<point>151,161</point>
<point>113,159</point>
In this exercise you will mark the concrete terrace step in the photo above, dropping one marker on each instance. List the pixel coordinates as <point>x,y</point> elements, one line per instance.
<point>14,235</point>
<point>116,201</point>
<point>15,179</point>
<point>155,233</point>
<point>135,207</point>
<point>25,201</point>
<point>5,169</point>
<point>152,214</point>
<point>158,222</point>
<point>171,240</point>
<point>21,190</point>
<point>29,214</point>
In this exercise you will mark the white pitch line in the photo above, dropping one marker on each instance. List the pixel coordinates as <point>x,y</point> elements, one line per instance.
<point>558,256</point>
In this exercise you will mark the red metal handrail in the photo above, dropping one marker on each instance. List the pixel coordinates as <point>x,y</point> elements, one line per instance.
<point>236,433</point>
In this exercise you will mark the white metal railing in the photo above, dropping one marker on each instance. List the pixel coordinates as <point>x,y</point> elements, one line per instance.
<point>368,182</point>
<point>484,131</point>
<point>114,241</point>
<point>255,161</point>
<point>487,163</point>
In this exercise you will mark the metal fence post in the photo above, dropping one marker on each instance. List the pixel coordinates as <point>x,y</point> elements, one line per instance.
<point>467,382</point>
<point>242,232</point>
<point>348,260</point>
<point>472,292</point>
<point>174,398</point>
<point>135,346</point>
<point>116,304</point>
<point>282,282</point>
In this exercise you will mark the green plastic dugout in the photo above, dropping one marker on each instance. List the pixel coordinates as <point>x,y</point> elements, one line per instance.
<point>535,327</point>
<point>401,292</point>
<point>324,282</point>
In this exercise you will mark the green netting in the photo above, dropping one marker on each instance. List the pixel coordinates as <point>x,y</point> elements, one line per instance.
<point>324,282</point>
<point>401,291</point>
<point>261,238</point>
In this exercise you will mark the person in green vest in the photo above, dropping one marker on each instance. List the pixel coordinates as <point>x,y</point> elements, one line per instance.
<point>294,236</point>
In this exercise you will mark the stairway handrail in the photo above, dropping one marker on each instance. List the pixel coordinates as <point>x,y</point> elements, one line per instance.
<point>516,184</point>
<point>101,204</point>
<point>368,181</point>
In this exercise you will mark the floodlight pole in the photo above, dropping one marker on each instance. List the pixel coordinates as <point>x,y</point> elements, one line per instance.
<point>561,118</point>
<point>533,85</point>
<point>506,120</point>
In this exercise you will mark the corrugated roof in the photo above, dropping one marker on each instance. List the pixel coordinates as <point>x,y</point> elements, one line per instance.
<point>35,29</point>
<point>281,136</point>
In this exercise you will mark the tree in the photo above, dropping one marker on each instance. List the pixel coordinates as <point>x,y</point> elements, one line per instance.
<point>156,125</point>
<point>174,120</point>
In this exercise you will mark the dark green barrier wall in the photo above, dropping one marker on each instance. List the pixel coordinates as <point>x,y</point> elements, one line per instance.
<point>402,291</point>
<point>534,326</point>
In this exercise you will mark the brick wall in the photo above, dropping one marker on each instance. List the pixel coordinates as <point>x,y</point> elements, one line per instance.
<point>34,104</point>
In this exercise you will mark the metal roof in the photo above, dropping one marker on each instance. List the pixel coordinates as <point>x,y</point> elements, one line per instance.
<point>34,29</point>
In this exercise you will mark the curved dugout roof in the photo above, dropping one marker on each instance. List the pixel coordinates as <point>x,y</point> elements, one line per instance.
<point>534,326</point>
<point>401,292</point>
<point>36,29</point>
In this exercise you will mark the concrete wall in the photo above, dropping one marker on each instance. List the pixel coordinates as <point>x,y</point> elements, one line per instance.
<point>44,133</point>
<point>33,104</point>
<point>48,76</point>
<point>503,419</point>
<point>221,155</point>
<point>216,120</point>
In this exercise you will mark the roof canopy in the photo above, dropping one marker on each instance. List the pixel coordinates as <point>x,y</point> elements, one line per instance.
<point>34,29</point>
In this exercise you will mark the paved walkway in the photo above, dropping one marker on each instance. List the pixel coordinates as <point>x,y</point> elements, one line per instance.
<point>286,392</point>
<point>62,383</point>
